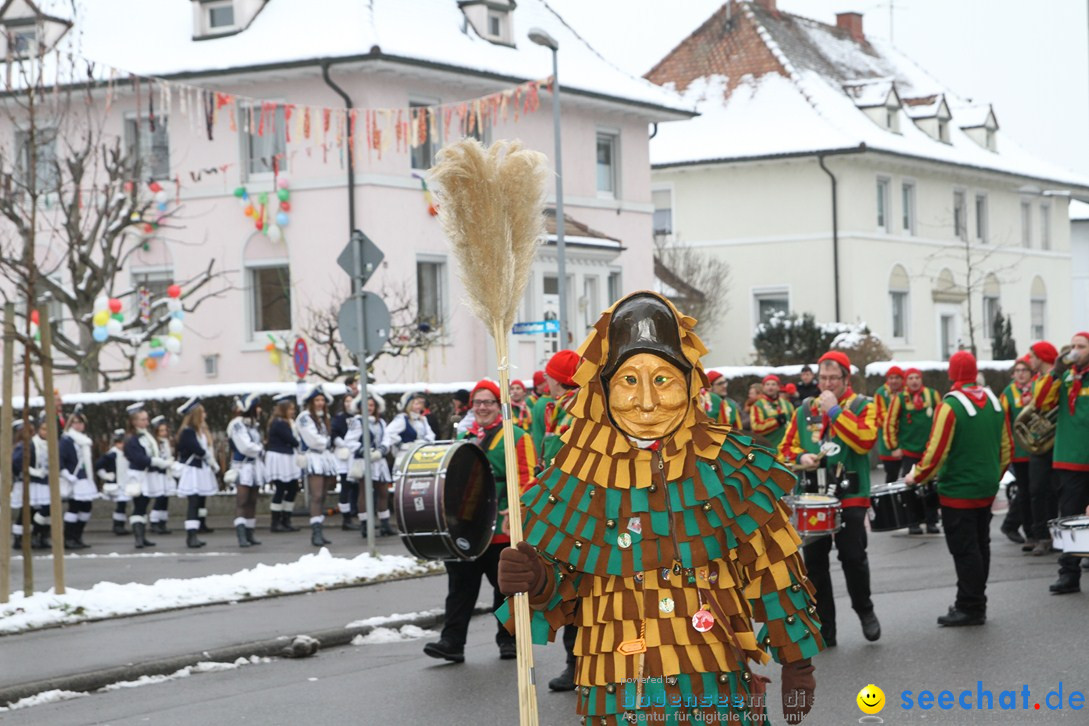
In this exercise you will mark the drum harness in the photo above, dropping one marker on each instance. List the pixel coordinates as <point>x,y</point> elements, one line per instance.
<point>836,482</point>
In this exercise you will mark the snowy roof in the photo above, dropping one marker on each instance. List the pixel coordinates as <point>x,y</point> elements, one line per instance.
<point>158,41</point>
<point>870,93</point>
<point>1079,211</point>
<point>776,84</point>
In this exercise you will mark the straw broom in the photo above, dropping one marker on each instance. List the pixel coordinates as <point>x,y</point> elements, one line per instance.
<point>491,209</point>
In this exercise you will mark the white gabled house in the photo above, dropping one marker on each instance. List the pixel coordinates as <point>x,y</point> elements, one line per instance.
<point>839,178</point>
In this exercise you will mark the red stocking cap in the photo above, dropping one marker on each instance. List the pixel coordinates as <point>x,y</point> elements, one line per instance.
<point>962,367</point>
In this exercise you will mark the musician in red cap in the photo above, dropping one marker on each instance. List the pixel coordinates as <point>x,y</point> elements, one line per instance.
<point>722,409</point>
<point>1014,398</point>
<point>968,449</point>
<point>835,432</point>
<point>1066,387</point>
<point>463,577</point>
<point>540,389</point>
<point>770,414</point>
<point>1043,479</point>
<point>550,417</point>
<point>790,393</point>
<point>907,426</point>
<point>894,383</point>
<point>521,410</point>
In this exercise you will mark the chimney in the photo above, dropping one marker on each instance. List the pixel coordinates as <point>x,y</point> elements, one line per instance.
<point>768,5</point>
<point>852,23</point>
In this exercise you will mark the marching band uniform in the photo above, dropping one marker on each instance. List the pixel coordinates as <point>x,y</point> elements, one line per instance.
<point>346,441</point>
<point>463,578</point>
<point>321,464</point>
<point>1014,398</point>
<point>112,470</point>
<point>882,398</point>
<point>662,551</point>
<point>282,468</point>
<point>523,414</point>
<point>907,426</point>
<point>769,418</point>
<point>968,449</point>
<point>552,411</point>
<point>142,455</point>
<point>76,467</point>
<point>1068,389</point>
<point>198,478</point>
<point>380,473</point>
<point>164,481</point>
<point>244,442</point>
<point>38,494</point>
<point>408,427</point>
<point>852,426</point>
<point>1043,478</point>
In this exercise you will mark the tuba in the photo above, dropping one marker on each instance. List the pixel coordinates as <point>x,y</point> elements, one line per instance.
<point>1034,430</point>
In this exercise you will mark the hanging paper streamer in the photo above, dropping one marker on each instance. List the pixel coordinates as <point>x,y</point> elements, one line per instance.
<point>432,208</point>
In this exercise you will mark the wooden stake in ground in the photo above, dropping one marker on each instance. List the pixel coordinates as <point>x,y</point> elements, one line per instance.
<point>56,506</point>
<point>6,420</point>
<point>492,210</point>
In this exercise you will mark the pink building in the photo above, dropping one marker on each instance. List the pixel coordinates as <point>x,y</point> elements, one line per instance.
<point>263,61</point>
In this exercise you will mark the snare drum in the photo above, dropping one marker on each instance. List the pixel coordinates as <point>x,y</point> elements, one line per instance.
<point>446,500</point>
<point>1071,535</point>
<point>895,506</point>
<point>815,516</point>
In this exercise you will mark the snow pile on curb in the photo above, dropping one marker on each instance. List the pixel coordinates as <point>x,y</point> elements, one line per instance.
<point>389,635</point>
<point>57,695</point>
<point>379,620</point>
<point>107,599</point>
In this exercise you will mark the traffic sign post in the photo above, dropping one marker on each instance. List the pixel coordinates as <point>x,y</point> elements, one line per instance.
<point>364,322</point>
<point>300,356</point>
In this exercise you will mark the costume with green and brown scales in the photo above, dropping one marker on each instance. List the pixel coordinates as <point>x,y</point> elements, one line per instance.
<point>638,541</point>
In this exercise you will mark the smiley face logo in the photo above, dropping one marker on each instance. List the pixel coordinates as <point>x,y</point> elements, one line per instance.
<point>871,699</point>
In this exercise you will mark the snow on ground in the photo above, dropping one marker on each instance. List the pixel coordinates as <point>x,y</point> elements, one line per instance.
<point>131,555</point>
<point>880,369</point>
<point>108,599</point>
<point>395,617</point>
<point>57,695</point>
<point>389,635</point>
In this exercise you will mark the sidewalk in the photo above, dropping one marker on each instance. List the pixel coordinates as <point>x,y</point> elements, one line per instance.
<point>91,655</point>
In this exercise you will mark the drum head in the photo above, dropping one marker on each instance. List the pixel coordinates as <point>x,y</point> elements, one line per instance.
<point>469,500</point>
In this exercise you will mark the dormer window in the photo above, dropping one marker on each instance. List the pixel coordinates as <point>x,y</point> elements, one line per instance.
<point>23,42</point>
<point>943,131</point>
<point>990,139</point>
<point>892,119</point>
<point>491,19</point>
<point>219,16</point>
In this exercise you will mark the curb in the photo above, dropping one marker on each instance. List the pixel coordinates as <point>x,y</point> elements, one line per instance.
<point>254,598</point>
<point>91,681</point>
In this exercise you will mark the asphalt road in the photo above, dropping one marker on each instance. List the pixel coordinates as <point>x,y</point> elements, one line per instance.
<point>1031,639</point>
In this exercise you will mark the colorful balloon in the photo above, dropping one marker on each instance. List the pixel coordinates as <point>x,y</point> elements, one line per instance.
<point>285,206</point>
<point>115,305</point>
<point>240,192</point>
<point>102,303</point>
<point>35,317</point>
<point>282,219</point>
<point>155,187</point>
<point>150,363</point>
<point>173,345</point>
<point>119,317</point>
<point>174,291</point>
<point>101,318</point>
<point>275,233</point>
<point>175,326</point>
<point>282,181</point>
<point>114,327</point>
<point>100,335</point>
<point>283,194</point>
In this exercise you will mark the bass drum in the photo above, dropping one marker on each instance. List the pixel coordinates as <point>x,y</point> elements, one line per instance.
<point>446,500</point>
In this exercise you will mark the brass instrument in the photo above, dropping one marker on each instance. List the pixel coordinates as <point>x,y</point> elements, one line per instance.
<point>1034,430</point>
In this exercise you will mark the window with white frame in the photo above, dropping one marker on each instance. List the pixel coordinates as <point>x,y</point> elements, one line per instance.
<point>663,212</point>
<point>1045,226</point>
<point>991,305</point>
<point>943,131</point>
<point>907,200</point>
<point>607,157</point>
<point>768,302</point>
<point>211,365</point>
<point>616,289</point>
<point>960,216</point>
<point>899,297</point>
<point>264,139</point>
<point>219,16</point>
<point>422,144</point>
<point>431,293</point>
<point>270,297</point>
<point>883,204</point>
<point>44,153</point>
<point>892,119</point>
<point>150,285</point>
<point>1026,224</point>
<point>151,146</point>
<point>1038,309</point>
<point>981,218</point>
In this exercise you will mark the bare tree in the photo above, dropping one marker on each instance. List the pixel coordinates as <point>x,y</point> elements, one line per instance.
<point>698,283</point>
<point>409,332</point>
<point>76,199</point>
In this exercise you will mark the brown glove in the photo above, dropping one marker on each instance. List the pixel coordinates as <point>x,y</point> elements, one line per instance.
<point>1062,362</point>
<point>521,570</point>
<point>798,688</point>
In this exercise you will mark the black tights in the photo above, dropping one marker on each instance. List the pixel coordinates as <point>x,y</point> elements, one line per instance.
<point>318,486</point>
<point>192,507</point>
<point>139,505</point>
<point>285,492</point>
<point>76,506</point>
<point>245,502</point>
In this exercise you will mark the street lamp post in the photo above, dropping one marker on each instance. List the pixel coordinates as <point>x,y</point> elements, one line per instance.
<point>540,37</point>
